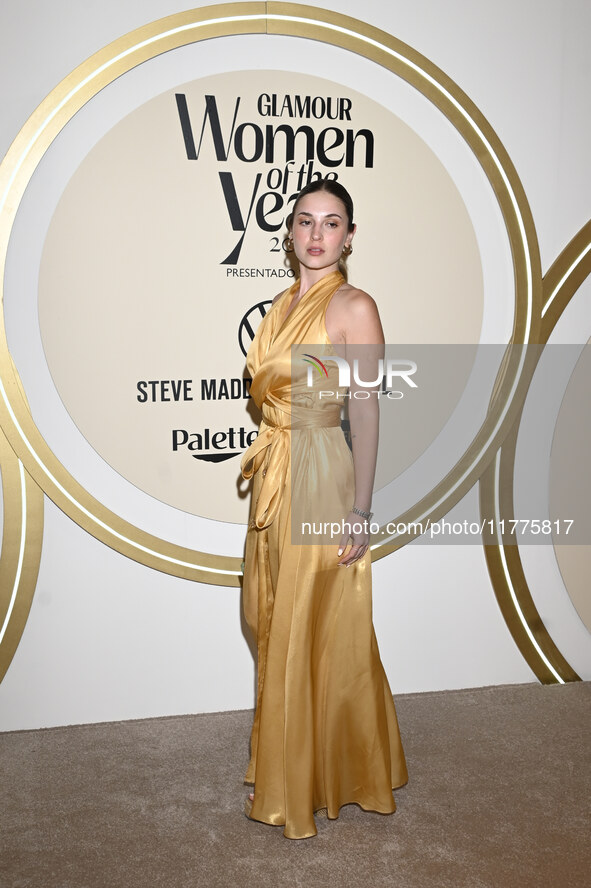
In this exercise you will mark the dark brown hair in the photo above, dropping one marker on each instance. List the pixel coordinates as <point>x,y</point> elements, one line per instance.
<point>332,187</point>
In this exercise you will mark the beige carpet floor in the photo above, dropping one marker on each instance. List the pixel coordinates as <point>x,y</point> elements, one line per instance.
<point>499,796</point>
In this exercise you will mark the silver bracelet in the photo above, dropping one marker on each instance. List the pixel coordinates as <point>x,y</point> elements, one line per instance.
<point>367,515</point>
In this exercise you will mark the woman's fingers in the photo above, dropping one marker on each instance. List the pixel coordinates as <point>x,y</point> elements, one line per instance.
<point>359,541</point>
<point>343,543</point>
<point>354,554</point>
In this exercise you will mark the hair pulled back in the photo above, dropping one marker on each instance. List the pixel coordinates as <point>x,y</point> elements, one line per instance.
<point>332,187</point>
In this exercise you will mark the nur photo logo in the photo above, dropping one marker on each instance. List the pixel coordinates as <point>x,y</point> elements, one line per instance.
<point>387,370</point>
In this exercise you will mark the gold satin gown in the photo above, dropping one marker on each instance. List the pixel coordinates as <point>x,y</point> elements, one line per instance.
<point>325,731</point>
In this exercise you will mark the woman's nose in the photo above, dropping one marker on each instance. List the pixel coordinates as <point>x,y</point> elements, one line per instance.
<point>316,234</point>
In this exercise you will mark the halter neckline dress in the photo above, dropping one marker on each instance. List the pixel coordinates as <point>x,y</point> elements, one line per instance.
<point>325,731</point>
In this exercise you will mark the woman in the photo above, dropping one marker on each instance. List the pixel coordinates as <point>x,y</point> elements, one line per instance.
<point>325,732</point>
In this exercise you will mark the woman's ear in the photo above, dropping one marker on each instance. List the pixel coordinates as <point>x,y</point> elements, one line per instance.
<point>351,235</point>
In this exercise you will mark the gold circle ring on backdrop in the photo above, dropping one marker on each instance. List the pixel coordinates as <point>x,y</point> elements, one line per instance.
<point>285,19</point>
<point>22,533</point>
<point>505,567</point>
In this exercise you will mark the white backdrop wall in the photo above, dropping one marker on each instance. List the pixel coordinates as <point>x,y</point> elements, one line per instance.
<point>108,638</point>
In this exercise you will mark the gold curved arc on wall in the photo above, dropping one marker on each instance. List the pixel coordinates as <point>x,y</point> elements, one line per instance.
<point>564,278</point>
<point>288,20</point>
<point>22,535</point>
<point>504,563</point>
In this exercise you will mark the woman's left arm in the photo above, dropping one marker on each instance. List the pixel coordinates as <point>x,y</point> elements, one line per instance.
<point>364,342</point>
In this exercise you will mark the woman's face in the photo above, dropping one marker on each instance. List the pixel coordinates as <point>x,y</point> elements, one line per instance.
<point>320,230</point>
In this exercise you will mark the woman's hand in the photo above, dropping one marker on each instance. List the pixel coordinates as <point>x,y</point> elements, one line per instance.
<point>356,531</point>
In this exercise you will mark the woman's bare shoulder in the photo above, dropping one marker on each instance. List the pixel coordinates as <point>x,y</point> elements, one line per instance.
<point>353,299</point>
<point>356,316</point>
